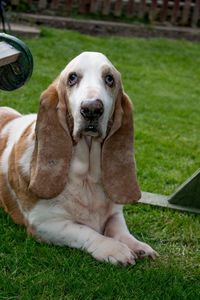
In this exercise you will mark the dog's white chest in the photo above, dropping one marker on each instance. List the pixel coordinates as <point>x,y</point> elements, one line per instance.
<point>86,161</point>
<point>86,200</point>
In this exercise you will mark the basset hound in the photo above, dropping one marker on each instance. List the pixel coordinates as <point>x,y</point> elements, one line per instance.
<point>66,172</point>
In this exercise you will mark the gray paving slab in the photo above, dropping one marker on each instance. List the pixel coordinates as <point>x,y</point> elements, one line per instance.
<point>23,30</point>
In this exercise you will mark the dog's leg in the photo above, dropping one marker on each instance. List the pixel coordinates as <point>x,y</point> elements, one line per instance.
<point>116,228</point>
<point>57,230</point>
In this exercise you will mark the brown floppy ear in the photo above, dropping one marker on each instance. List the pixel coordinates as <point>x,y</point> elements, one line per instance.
<point>118,164</point>
<point>53,148</point>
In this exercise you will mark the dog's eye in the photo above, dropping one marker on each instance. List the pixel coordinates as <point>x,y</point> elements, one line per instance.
<point>73,79</point>
<point>109,80</point>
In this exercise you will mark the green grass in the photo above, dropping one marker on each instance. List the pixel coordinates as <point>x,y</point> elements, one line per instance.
<point>162,78</point>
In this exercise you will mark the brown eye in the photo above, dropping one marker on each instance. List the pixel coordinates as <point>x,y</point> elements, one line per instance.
<point>73,79</point>
<point>109,80</point>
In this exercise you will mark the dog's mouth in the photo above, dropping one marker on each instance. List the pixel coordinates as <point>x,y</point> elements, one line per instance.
<point>90,129</point>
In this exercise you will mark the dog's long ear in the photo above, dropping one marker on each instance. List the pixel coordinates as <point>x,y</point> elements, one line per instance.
<point>53,146</point>
<point>118,164</point>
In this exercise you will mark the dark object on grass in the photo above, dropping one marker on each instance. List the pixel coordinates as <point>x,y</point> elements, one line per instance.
<point>188,194</point>
<point>185,198</point>
<point>16,63</point>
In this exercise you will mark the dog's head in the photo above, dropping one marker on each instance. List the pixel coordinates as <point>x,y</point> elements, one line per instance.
<point>90,84</point>
<point>86,99</point>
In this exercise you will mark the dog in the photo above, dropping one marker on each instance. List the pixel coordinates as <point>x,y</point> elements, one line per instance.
<point>66,173</point>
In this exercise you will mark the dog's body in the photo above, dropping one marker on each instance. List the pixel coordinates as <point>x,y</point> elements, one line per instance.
<point>60,171</point>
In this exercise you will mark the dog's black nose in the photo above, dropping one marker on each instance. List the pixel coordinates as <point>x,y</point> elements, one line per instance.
<point>92,109</point>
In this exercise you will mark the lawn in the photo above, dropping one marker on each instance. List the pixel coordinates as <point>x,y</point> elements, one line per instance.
<point>162,77</point>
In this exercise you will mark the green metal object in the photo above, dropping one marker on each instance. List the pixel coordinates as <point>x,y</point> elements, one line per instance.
<point>188,194</point>
<point>14,75</point>
<point>185,198</point>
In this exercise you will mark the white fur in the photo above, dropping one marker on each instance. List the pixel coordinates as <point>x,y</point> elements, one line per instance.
<point>14,130</point>
<point>25,160</point>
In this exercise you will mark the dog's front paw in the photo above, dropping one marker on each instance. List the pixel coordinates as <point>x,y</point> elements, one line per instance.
<point>139,248</point>
<point>143,250</point>
<point>110,250</point>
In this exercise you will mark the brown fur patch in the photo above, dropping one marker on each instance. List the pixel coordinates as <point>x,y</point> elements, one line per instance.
<point>18,181</point>
<point>7,201</point>
<point>7,116</point>
<point>3,143</point>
